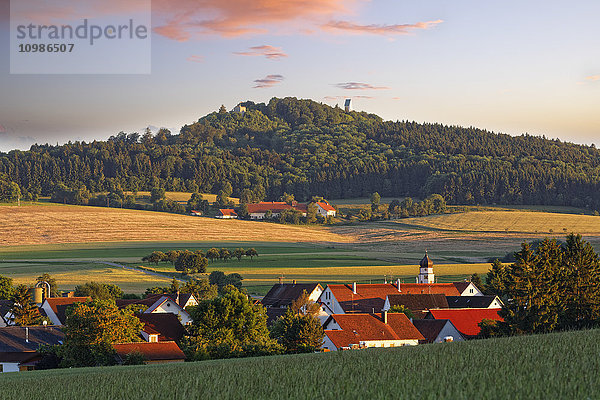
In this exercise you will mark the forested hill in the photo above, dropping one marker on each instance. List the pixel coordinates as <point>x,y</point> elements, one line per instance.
<point>307,148</point>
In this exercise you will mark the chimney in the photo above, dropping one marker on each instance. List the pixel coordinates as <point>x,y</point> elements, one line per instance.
<point>26,335</point>
<point>281,280</point>
<point>354,288</point>
<point>398,285</point>
<point>384,317</point>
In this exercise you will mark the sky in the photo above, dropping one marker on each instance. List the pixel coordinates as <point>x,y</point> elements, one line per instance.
<point>507,66</point>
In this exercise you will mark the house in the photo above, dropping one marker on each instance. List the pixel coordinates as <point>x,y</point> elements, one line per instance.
<point>161,327</point>
<point>160,303</point>
<point>196,213</point>
<point>438,330</point>
<point>473,302</point>
<point>226,213</point>
<point>259,210</point>
<point>282,295</point>
<point>466,320</point>
<point>55,307</point>
<point>419,304</point>
<point>356,331</point>
<point>19,345</point>
<point>370,298</point>
<point>325,210</point>
<point>154,353</point>
<point>239,109</point>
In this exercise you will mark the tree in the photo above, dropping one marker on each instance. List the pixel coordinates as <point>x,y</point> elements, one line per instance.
<point>239,253</point>
<point>45,277</point>
<point>375,200</point>
<point>6,288</point>
<point>251,253</point>
<point>197,203</point>
<point>9,191</point>
<point>476,280</point>
<point>201,289</point>
<point>99,291</point>
<point>190,262</point>
<point>247,196</point>
<point>311,213</point>
<point>224,254</point>
<point>156,194</point>
<point>221,280</point>
<point>401,309</point>
<point>287,198</point>
<point>298,333</point>
<point>156,257</point>
<point>496,279</point>
<point>172,255</point>
<point>228,326</point>
<point>213,254</point>
<point>24,312</point>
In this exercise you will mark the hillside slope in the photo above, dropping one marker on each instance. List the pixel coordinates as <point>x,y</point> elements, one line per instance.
<point>561,365</point>
<point>307,148</point>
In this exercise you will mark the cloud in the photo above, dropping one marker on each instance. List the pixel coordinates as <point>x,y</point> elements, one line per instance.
<point>270,52</point>
<point>593,78</point>
<point>185,19</point>
<point>2,129</point>
<point>378,29</point>
<point>333,98</point>
<point>268,81</point>
<point>358,86</point>
<point>195,58</point>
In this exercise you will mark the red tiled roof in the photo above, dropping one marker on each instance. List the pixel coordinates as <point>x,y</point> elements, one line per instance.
<point>156,351</point>
<point>371,297</point>
<point>356,328</point>
<point>274,206</point>
<point>166,324</point>
<point>466,320</point>
<point>325,206</point>
<point>60,304</point>
<point>228,212</point>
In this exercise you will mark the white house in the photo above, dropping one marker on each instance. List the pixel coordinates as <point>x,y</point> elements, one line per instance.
<point>325,210</point>
<point>19,345</point>
<point>438,331</point>
<point>162,303</point>
<point>358,331</point>
<point>260,210</point>
<point>56,307</point>
<point>240,109</point>
<point>474,302</point>
<point>226,213</point>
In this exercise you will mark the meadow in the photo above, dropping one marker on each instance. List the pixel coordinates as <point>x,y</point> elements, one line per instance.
<point>558,365</point>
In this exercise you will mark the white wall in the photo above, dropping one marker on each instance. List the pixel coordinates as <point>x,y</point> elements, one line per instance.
<point>10,367</point>
<point>449,330</point>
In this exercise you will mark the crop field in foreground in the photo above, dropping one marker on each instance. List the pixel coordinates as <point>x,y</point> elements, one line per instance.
<point>560,365</point>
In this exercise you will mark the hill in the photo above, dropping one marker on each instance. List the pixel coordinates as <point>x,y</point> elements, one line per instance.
<point>307,148</point>
<point>560,365</point>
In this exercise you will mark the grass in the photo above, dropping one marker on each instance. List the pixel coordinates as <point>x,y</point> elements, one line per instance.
<point>560,365</point>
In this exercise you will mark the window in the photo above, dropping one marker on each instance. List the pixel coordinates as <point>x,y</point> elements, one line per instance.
<point>471,290</point>
<point>1,368</point>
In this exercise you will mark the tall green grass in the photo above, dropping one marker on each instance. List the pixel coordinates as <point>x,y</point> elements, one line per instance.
<point>562,365</point>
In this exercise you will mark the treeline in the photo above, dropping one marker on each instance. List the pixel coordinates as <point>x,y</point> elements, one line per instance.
<point>306,148</point>
<point>192,262</point>
<point>552,287</point>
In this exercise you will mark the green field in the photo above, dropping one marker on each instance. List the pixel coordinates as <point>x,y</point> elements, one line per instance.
<point>73,264</point>
<point>555,366</point>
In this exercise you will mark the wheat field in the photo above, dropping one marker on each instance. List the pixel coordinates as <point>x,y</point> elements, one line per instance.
<point>77,224</point>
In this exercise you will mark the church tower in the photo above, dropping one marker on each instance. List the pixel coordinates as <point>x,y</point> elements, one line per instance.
<point>426,274</point>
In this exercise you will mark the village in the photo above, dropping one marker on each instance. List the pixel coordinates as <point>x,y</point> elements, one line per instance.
<point>352,316</point>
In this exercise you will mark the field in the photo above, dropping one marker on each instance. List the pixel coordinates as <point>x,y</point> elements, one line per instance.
<point>560,365</point>
<point>78,224</point>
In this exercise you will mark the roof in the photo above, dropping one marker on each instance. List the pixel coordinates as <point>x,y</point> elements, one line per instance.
<point>371,297</point>
<point>461,286</point>
<point>228,212</point>
<point>156,351</point>
<point>274,206</point>
<point>283,294</point>
<point>18,357</point>
<point>12,338</point>
<point>5,307</point>
<point>325,206</point>
<point>356,328</point>
<point>167,325</point>
<point>60,304</point>
<point>466,320</point>
<point>470,301</point>
<point>418,302</point>
<point>148,301</point>
<point>273,313</point>
<point>426,262</point>
<point>184,298</point>
<point>430,328</point>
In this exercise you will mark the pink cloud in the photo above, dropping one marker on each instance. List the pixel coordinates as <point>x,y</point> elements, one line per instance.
<point>270,52</point>
<point>333,98</point>
<point>186,19</point>
<point>359,86</point>
<point>195,58</point>
<point>593,78</point>
<point>268,81</point>
<point>378,29</point>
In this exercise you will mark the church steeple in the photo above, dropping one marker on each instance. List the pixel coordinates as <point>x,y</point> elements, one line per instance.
<point>426,274</point>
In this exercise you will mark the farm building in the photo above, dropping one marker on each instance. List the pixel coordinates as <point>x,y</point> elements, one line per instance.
<point>55,307</point>
<point>154,353</point>
<point>19,345</point>
<point>438,330</point>
<point>473,302</point>
<point>282,295</point>
<point>226,213</point>
<point>158,304</point>
<point>325,210</point>
<point>357,331</point>
<point>466,320</point>
<point>259,210</point>
<point>196,213</point>
<point>419,304</point>
<point>161,327</point>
